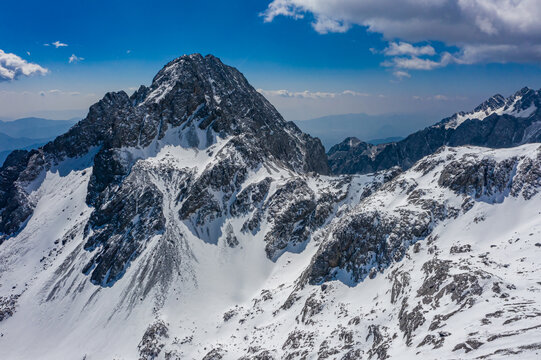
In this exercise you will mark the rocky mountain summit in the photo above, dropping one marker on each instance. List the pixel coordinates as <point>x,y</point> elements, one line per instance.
<point>190,221</point>
<point>193,101</point>
<point>497,123</point>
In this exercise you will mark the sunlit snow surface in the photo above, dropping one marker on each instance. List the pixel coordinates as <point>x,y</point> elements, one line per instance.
<point>61,315</point>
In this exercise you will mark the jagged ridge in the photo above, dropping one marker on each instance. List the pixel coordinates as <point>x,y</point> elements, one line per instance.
<point>496,123</point>
<point>193,102</point>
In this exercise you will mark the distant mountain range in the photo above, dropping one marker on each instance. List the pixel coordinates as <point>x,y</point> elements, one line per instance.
<point>335,128</point>
<point>496,123</point>
<point>29,133</point>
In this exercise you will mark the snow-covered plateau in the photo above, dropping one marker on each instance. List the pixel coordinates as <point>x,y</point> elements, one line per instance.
<point>190,221</point>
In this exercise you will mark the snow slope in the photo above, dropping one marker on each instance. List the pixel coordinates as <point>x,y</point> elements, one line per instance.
<point>469,288</point>
<point>191,221</point>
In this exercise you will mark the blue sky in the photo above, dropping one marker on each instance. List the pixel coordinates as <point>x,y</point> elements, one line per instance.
<point>309,58</point>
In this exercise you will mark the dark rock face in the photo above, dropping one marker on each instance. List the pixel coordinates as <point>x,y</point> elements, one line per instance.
<point>8,305</point>
<point>250,197</point>
<point>289,210</point>
<point>494,130</point>
<point>479,178</point>
<point>19,170</point>
<point>294,211</point>
<point>214,354</point>
<point>152,342</point>
<point>351,155</point>
<point>368,241</point>
<point>197,101</point>
<point>528,181</point>
<point>490,180</point>
<point>121,227</point>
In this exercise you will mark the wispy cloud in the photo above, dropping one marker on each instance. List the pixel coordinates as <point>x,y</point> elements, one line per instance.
<point>354,93</point>
<point>60,92</point>
<point>417,63</point>
<point>55,92</point>
<point>306,94</point>
<point>58,44</point>
<point>13,67</point>
<point>75,59</point>
<point>438,97</point>
<point>401,74</point>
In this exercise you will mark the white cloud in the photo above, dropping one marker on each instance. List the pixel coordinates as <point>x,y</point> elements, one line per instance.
<point>410,57</point>
<point>306,94</point>
<point>404,48</point>
<point>283,93</point>
<point>74,59</point>
<point>417,63</point>
<point>440,97</point>
<point>282,8</point>
<point>482,30</point>
<point>326,25</point>
<point>58,44</point>
<point>12,67</point>
<point>60,92</point>
<point>354,93</point>
<point>401,74</point>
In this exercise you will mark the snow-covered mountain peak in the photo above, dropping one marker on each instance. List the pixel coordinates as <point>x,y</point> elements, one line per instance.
<point>523,103</point>
<point>195,104</point>
<point>198,74</point>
